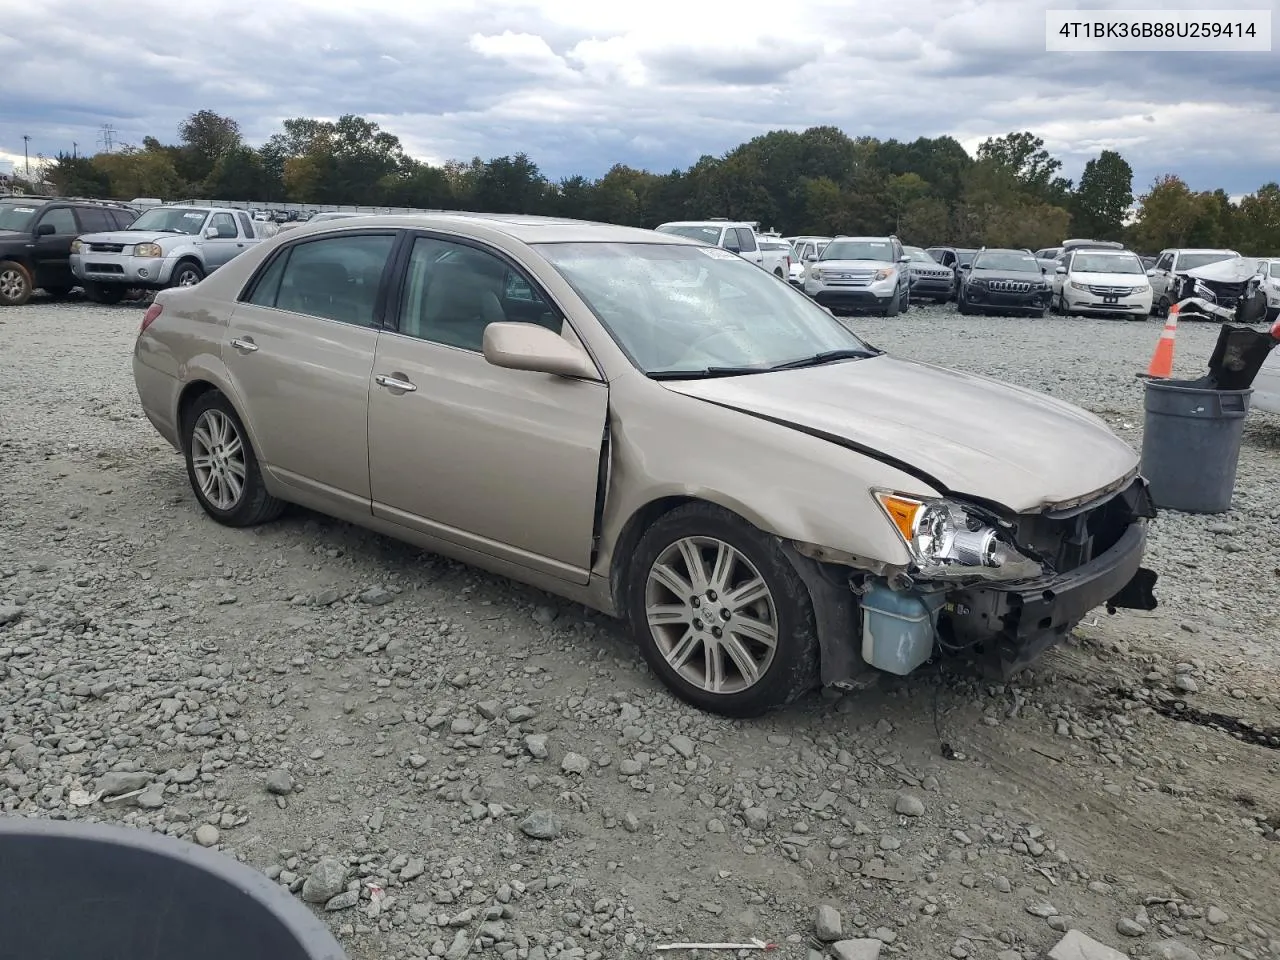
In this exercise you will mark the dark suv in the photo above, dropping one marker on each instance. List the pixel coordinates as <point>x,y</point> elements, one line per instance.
<point>1004,281</point>
<point>35,241</point>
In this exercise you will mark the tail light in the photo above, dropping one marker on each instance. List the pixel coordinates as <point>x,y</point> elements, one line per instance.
<point>150,316</point>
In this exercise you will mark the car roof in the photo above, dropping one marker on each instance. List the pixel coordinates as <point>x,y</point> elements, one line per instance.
<point>520,227</point>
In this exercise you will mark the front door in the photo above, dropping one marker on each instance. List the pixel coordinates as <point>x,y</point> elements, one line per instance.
<point>505,462</point>
<point>53,250</point>
<point>1161,276</point>
<point>220,249</point>
<point>300,353</point>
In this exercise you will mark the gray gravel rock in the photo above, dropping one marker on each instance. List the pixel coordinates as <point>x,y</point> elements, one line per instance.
<point>857,949</point>
<point>542,825</point>
<point>827,925</point>
<point>207,835</point>
<point>683,745</point>
<point>909,805</point>
<point>116,783</point>
<point>325,881</point>
<point>1077,946</point>
<point>1172,950</point>
<point>536,744</point>
<point>9,613</point>
<point>280,782</point>
<point>1128,927</point>
<point>575,763</point>
<point>343,901</point>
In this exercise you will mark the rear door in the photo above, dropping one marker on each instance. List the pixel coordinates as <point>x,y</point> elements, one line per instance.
<point>299,348</point>
<point>750,249</point>
<point>504,462</point>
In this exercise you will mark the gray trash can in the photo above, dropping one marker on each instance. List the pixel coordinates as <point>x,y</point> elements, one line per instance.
<point>1191,444</point>
<point>81,891</point>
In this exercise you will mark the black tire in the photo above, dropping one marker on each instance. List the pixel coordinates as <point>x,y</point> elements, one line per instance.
<point>891,308</point>
<point>963,307</point>
<point>779,274</point>
<point>15,284</point>
<point>793,670</point>
<point>906,302</point>
<point>254,505</point>
<point>1273,315</point>
<point>1039,314</point>
<point>103,293</point>
<point>183,272</point>
<point>1162,307</point>
<point>942,300</point>
<point>58,293</point>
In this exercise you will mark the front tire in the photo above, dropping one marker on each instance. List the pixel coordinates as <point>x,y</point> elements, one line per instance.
<point>58,293</point>
<point>720,613</point>
<point>15,284</point>
<point>222,467</point>
<point>186,274</point>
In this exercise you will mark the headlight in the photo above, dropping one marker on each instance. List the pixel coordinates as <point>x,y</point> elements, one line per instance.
<point>148,250</point>
<point>1078,286</point>
<point>941,533</point>
<point>884,274</point>
<point>75,246</point>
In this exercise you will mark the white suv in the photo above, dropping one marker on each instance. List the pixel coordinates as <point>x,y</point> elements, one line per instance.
<point>1269,270</point>
<point>1102,282</point>
<point>736,236</point>
<point>861,273</point>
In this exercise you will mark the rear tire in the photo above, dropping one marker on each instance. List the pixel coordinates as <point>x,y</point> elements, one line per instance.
<point>694,565</point>
<point>15,284</point>
<point>222,466</point>
<point>58,293</point>
<point>103,293</point>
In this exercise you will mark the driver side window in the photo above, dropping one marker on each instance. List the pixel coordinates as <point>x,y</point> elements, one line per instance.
<point>1165,262</point>
<point>453,291</point>
<point>63,221</point>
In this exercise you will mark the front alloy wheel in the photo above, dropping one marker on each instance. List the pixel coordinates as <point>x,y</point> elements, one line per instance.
<point>711,614</point>
<point>721,613</point>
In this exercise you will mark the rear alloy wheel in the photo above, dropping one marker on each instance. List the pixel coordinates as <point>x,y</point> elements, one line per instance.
<point>222,467</point>
<point>15,284</point>
<point>721,615</point>
<point>186,274</point>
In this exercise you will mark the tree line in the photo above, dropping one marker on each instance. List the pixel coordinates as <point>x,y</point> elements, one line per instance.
<point>820,181</point>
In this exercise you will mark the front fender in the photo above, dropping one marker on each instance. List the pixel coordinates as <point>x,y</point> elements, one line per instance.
<point>183,251</point>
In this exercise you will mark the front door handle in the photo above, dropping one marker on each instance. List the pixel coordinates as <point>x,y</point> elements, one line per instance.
<point>395,382</point>
<point>244,344</point>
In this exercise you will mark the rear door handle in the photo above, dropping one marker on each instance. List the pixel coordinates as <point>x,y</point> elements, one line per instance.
<point>395,382</point>
<point>244,344</point>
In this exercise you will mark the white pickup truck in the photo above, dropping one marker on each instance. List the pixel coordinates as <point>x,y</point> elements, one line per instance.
<point>736,236</point>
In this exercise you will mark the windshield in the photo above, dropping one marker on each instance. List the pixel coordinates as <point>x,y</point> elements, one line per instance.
<point>171,220</point>
<point>1007,260</point>
<point>682,309</point>
<point>881,250</point>
<point>16,216</point>
<point>965,256</point>
<point>1189,261</point>
<point>919,256</point>
<point>1275,269</point>
<point>706,234</point>
<point>1102,263</point>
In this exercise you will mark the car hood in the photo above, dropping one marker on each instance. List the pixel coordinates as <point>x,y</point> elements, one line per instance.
<point>1235,270</point>
<point>1022,275</point>
<point>1109,279</point>
<point>130,237</point>
<point>972,435</point>
<point>9,236</point>
<point>855,266</point>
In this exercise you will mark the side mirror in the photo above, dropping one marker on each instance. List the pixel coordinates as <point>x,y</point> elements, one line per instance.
<point>1151,272</point>
<point>46,230</point>
<point>810,258</point>
<point>965,266</point>
<point>904,259</point>
<point>1060,271</point>
<point>211,233</point>
<point>527,346</point>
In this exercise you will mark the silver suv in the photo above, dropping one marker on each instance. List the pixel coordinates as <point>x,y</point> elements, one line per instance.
<point>861,273</point>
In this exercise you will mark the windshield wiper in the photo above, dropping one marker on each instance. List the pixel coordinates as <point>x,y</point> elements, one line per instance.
<point>704,373</point>
<point>829,356</point>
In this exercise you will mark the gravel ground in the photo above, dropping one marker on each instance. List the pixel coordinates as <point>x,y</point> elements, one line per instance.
<point>348,714</point>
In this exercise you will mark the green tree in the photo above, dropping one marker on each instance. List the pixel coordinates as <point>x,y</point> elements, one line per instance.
<point>1167,213</point>
<point>1258,222</point>
<point>1031,164</point>
<point>239,174</point>
<point>204,137</point>
<point>509,185</point>
<point>78,177</point>
<point>1102,200</point>
<point>904,190</point>
<point>141,173</point>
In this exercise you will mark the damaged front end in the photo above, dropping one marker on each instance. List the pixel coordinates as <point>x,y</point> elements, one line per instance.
<point>1013,585</point>
<point>1228,291</point>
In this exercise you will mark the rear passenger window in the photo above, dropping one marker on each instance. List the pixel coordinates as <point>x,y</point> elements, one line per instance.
<point>94,220</point>
<point>123,218</point>
<point>746,240</point>
<point>336,278</point>
<point>246,224</point>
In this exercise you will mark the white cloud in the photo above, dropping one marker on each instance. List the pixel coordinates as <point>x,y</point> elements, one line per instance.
<point>581,85</point>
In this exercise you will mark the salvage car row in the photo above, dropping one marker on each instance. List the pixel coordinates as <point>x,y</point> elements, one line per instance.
<point>110,248</point>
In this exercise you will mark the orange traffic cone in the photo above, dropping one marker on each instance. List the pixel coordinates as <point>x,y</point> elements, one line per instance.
<point>1161,367</point>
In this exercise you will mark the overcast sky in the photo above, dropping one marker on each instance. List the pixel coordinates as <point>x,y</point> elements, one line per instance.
<point>581,85</point>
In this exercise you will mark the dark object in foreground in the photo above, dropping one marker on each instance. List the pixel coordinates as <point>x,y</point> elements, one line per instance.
<point>75,891</point>
<point>1191,444</point>
<point>1237,358</point>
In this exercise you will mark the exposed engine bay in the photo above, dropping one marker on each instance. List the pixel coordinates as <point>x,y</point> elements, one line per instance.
<point>1229,290</point>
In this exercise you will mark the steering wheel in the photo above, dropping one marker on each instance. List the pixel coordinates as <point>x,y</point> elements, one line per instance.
<point>691,351</point>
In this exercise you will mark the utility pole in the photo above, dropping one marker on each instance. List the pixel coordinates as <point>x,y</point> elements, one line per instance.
<point>74,147</point>
<point>26,157</point>
<point>108,137</point>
